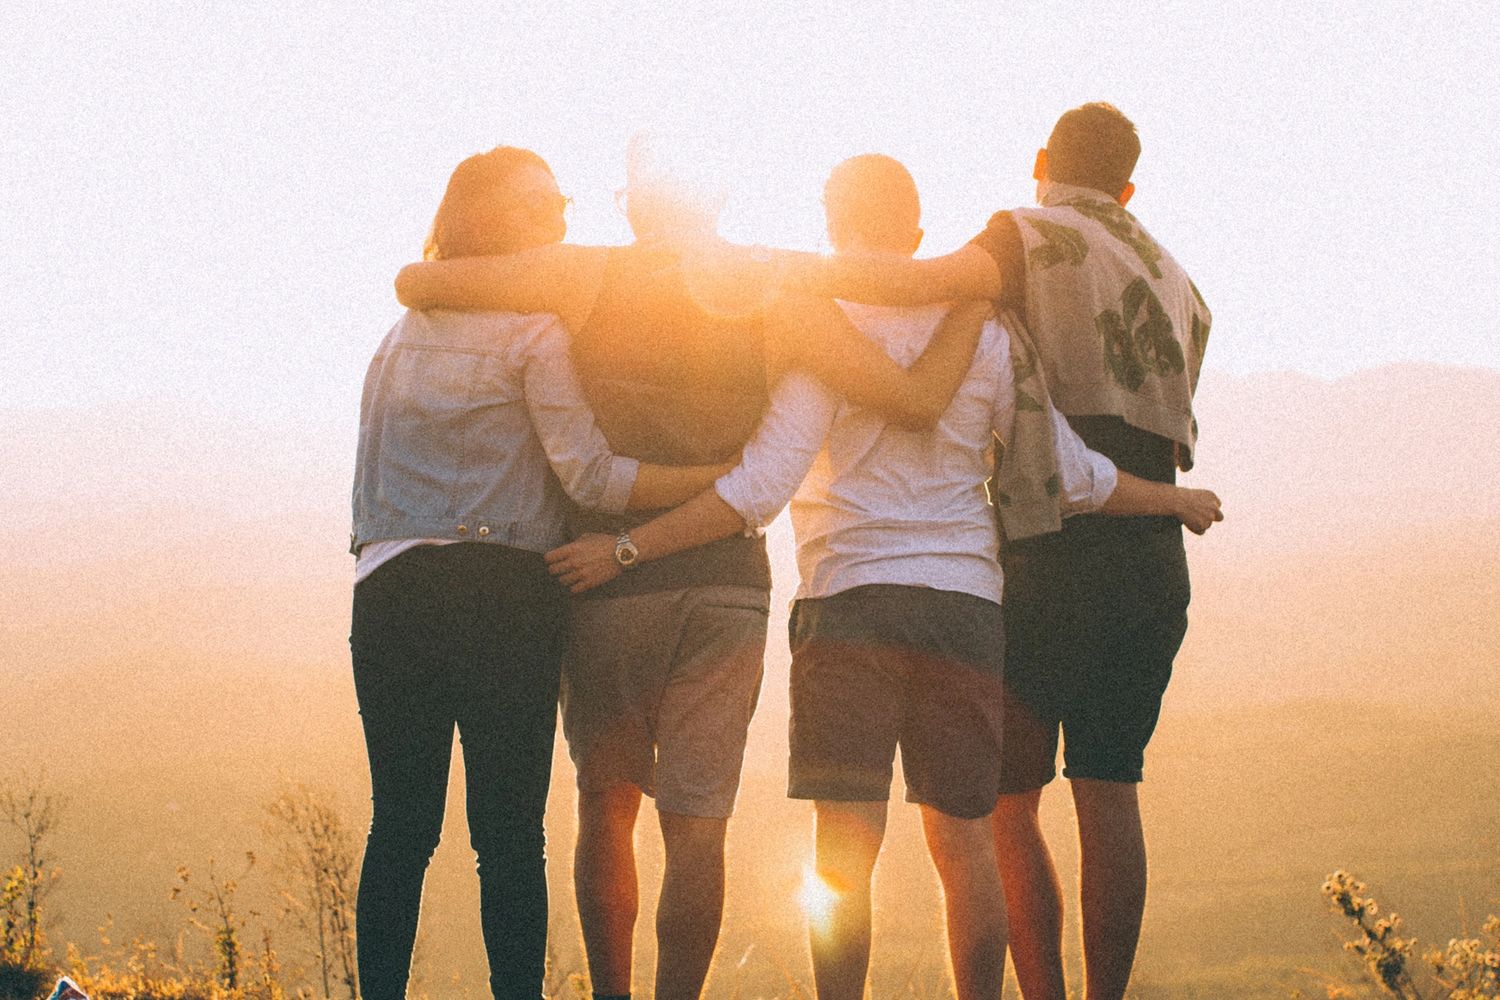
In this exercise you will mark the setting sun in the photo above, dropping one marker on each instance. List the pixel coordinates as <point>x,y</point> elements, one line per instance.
<point>817,899</point>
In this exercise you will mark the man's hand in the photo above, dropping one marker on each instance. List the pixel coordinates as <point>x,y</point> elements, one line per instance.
<point>1196,509</point>
<point>585,563</point>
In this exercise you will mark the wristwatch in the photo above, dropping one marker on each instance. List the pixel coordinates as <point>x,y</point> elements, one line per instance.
<point>625,551</point>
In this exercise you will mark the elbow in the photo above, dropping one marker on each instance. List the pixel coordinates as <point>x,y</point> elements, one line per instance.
<point>406,288</point>
<point>610,486</point>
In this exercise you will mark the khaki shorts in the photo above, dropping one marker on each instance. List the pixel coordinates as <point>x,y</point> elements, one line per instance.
<point>658,690</point>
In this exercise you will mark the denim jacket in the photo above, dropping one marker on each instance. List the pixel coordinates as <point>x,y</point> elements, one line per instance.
<point>471,427</point>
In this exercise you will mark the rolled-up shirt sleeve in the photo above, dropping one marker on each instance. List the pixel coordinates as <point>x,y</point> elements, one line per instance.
<point>777,458</point>
<point>591,474</point>
<point>1088,478</point>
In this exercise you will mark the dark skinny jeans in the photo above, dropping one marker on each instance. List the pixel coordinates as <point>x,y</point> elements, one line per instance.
<point>468,635</point>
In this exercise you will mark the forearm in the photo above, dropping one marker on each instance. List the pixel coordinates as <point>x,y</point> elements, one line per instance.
<point>882,279</point>
<point>1198,510</point>
<point>592,560</point>
<point>705,518</point>
<point>1134,496</point>
<point>669,485</point>
<point>943,366</point>
<point>891,279</point>
<point>465,284</point>
<point>557,278</point>
<point>815,335</point>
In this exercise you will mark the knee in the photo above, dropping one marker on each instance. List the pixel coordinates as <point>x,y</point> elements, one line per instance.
<point>1019,812</point>
<point>507,838</point>
<point>610,809</point>
<point>845,864</point>
<point>957,843</point>
<point>403,839</point>
<point>693,845</point>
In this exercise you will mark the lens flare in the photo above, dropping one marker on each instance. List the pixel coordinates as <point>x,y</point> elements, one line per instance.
<point>817,899</point>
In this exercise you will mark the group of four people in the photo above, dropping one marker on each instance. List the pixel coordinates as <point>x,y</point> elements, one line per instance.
<point>658,404</point>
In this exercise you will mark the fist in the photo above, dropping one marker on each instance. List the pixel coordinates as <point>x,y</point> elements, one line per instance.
<point>1198,509</point>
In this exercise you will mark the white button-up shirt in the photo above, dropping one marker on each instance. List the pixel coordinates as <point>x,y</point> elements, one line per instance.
<point>878,504</point>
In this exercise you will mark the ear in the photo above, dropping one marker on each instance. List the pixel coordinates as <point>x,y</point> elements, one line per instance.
<point>834,230</point>
<point>916,240</point>
<point>1125,193</point>
<point>1039,169</point>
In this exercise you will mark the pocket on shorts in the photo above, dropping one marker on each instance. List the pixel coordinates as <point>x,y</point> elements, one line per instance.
<point>734,596</point>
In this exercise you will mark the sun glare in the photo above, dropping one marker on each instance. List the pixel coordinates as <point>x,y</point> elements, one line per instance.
<point>817,899</point>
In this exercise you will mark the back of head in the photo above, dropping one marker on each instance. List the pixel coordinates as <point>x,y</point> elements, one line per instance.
<point>670,193</point>
<point>497,202</point>
<point>871,202</point>
<point>1093,146</point>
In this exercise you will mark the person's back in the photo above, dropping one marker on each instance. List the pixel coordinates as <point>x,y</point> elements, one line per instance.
<point>1125,300</point>
<point>896,632</point>
<point>671,382</point>
<point>886,505</point>
<point>1095,614</point>
<point>448,447</point>
<point>1098,286</point>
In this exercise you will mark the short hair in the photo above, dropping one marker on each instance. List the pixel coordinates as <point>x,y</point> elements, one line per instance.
<point>1093,146</point>
<point>874,196</point>
<point>477,177</point>
<point>672,183</point>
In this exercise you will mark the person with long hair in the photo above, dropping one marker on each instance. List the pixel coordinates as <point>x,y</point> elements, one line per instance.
<point>472,429</point>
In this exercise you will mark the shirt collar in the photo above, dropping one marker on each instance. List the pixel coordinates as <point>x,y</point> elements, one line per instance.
<point>1051,193</point>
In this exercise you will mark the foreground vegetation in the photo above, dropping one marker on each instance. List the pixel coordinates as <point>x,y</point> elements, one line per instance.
<point>304,947</point>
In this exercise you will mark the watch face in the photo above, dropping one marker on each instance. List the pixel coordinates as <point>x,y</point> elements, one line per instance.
<point>625,552</point>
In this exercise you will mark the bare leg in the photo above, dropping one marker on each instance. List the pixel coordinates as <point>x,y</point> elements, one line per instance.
<point>1033,896</point>
<point>691,905</point>
<point>1113,851</point>
<point>963,850</point>
<point>847,842</point>
<point>604,883</point>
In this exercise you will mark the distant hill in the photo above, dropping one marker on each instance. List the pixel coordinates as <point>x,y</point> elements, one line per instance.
<point>1363,525</point>
<point>1383,452</point>
<point>1361,551</point>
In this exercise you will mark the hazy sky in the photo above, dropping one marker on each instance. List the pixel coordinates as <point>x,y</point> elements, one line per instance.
<point>209,201</point>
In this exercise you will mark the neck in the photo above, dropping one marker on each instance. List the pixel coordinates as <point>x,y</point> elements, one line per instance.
<point>1050,192</point>
<point>859,243</point>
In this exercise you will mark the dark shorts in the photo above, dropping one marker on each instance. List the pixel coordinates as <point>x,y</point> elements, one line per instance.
<point>1092,627</point>
<point>882,666</point>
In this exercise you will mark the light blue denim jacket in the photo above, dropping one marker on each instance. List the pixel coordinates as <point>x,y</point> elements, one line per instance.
<point>471,428</point>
